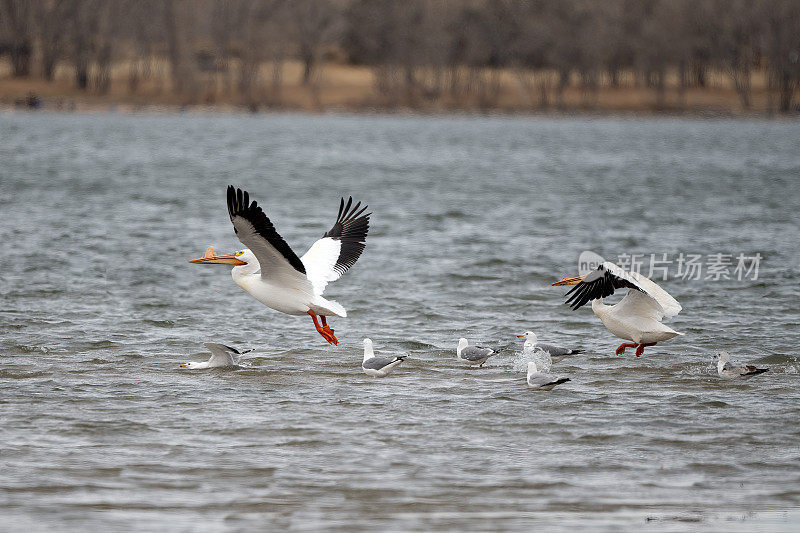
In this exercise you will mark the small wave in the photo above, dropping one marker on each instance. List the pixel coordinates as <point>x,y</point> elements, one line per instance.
<point>160,323</point>
<point>715,403</point>
<point>776,358</point>
<point>20,374</point>
<point>105,427</point>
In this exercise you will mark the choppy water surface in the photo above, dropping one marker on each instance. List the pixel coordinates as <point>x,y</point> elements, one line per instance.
<point>473,218</point>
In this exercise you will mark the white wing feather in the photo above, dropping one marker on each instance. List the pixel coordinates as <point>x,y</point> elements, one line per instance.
<point>320,260</point>
<point>274,265</point>
<point>638,304</point>
<point>221,355</point>
<point>667,304</point>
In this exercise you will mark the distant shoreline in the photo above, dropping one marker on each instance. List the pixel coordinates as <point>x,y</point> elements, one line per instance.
<point>156,109</point>
<point>347,89</point>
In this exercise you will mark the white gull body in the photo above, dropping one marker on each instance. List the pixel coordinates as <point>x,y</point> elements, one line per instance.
<point>221,356</point>
<point>556,353</point>
<point>378,367</point>
<point>543,380</point>
<point>731,371</point>
<point>473,355</point>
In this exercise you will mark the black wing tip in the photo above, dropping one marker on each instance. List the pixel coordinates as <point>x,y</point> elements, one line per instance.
<point>595,286</point>
<point>351,229</point>
<point>237,201</point>
<point>239,204</point>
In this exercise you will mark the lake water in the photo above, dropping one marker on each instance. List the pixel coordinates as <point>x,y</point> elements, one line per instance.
<point>473,219</point>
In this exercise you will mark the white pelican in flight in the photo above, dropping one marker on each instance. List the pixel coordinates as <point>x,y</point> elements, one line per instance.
<point>637,317</point>
<point>272,273</point>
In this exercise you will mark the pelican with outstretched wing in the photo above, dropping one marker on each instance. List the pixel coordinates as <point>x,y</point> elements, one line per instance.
<point>272,273</point>
<point>637,317</point>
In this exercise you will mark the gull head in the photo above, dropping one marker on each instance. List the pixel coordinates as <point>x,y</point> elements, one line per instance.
<point>532,368</point>
<point>368,350</point>
<point>530,337</point>
<point>190,365</point>
<point>462,343</point>
<point>723,357</point>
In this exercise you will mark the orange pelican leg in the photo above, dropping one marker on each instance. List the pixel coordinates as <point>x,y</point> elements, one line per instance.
<point>327,329</point>
<point>330,338</point>
<point>640,349</point>
<point>621,347</point>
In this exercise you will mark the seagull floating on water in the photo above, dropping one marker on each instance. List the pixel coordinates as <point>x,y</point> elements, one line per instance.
<point>543,380</point>
<point>378,367</point>
<point>272,273</point>
<point>637,317</point>
<point>221,355</point>
<point>728,370</point>
<point>474,355</point>
<point>557,353</point>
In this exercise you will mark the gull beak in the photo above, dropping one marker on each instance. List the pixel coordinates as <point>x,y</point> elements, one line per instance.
<point>522,335</point>
<point>567,281</point>
<point>211,257</point>
<point>184,365</point>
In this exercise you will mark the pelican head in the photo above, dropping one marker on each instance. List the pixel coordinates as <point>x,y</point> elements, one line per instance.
<point>529,336</point>
<point>242,257</point>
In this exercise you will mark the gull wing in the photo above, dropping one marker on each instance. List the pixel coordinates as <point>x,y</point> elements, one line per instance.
<point>475,353</point>
<point>377,363</point>
<point>221,354</point>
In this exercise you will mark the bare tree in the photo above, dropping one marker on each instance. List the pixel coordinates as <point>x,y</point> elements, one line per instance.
<point>177,17</point>
<point>146,34</point>
<point>782,29</point>
<point>314,24</point>
<point>16,22</point>
<point>49,17</point>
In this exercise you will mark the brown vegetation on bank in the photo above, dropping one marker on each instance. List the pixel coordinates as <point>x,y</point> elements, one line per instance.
<point>695,56</point>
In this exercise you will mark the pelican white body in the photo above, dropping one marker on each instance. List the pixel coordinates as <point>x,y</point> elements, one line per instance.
<point>290,299</point>
<point>624,320</point>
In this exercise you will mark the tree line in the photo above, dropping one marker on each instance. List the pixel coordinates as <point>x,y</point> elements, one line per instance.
<point>416,50</point>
